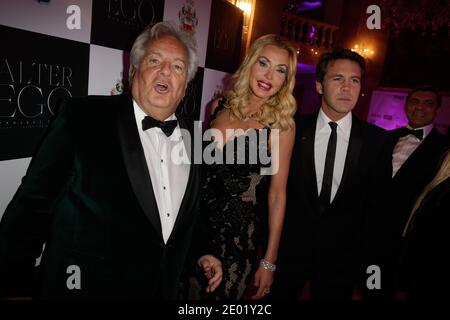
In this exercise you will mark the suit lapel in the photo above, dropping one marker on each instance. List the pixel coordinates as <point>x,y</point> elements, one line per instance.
<point>353,153</point>
<point>135,163</point>
<point>192,186</point>
<point>422,150</point>
<point>307,142</point>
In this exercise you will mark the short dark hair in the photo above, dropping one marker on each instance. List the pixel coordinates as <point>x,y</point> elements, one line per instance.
<point>429,89</point>
<point>336,54</point>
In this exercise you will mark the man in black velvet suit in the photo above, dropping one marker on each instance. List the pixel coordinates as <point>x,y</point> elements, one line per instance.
<point>417,152</point>
<point>338,185</point>
<point>117,214</point>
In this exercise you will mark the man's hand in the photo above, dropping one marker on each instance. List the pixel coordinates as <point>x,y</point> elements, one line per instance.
<point>212,268</point>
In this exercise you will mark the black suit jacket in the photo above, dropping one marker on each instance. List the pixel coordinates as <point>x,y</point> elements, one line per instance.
<point>427,245</point>
<point>338,245</point>
<point>88,195</point>
<point>414,175</point>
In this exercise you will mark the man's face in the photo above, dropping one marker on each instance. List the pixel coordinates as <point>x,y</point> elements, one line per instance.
<point>160,81</point>
<point>421,108</point>
<point>340,88</point>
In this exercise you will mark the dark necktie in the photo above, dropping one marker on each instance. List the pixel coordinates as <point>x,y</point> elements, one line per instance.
<point>418,133</point>
<point>166,126</point>
<point>325,192</point>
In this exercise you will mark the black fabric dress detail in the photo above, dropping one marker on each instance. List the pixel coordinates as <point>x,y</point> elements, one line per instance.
<point>234,205</point>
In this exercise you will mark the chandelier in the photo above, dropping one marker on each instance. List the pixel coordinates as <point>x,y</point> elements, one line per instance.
<point>428,16</point>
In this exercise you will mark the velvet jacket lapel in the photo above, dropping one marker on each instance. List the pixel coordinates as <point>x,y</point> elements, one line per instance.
<point>135,163</point>
<point>138,173</point>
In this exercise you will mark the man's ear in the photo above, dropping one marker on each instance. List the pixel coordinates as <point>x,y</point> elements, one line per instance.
<point>319,87</point>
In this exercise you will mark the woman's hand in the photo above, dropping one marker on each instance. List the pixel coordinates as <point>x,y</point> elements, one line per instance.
<point>263,280</point>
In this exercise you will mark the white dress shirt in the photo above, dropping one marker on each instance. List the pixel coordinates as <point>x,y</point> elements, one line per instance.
<point>406,146</point>
<point>169,178</point>
<point>323,131</point>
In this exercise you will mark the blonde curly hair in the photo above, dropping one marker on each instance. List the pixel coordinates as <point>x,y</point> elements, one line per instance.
<point>278,111</point>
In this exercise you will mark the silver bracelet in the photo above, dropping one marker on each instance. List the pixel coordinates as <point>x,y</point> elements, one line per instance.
<point>267,265</point>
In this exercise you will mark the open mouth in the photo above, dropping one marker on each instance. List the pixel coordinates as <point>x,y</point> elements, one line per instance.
<point>264,85</point>
<point>161,87</point>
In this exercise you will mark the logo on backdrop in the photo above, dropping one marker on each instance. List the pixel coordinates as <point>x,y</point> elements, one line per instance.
<point>116,23</point>
<point>190,106</point>
<point>36,72</point>
<point>118,88</point>
<point>188,17</point>
<point>31,89</point>
<point>224,38</point>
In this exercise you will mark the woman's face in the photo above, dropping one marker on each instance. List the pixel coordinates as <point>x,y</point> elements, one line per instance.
<point>268,74</point>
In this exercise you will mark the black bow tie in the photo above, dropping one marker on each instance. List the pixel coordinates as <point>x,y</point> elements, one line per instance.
<point>166,126</point>
<point>406,131</point>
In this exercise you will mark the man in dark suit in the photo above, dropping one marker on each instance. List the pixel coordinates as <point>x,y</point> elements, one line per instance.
<point>116,211</point>
<point>338,185</point>
<point>416,155</point>
<point>417,151</point>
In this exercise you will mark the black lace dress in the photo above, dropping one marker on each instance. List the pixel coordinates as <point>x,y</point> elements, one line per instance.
<point>234,205</point>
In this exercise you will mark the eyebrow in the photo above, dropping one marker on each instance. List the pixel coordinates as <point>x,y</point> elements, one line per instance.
<point>279,65</point>
<point>148,53</point>
<point>341,75</point>
<point>160,55</point>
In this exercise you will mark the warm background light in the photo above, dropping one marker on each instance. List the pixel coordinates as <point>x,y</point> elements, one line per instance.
<point>366,52</point>
<point>248,7</point>
<point>245,6</point>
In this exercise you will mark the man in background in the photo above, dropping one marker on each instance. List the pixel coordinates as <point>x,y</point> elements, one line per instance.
<point>416,154</point>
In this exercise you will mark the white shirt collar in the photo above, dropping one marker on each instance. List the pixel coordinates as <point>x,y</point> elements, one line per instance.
<point>344,124</point>
<point>426,130</point>
<point>140,114</point>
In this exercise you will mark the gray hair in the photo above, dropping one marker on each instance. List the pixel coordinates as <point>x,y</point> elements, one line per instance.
<point>162,29</point>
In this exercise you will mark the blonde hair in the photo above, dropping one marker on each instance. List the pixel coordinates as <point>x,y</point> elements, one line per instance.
<point>442,174</point>
<point>278,110</point>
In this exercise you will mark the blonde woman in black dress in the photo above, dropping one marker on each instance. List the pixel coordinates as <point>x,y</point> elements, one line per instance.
<point>254,119</point>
